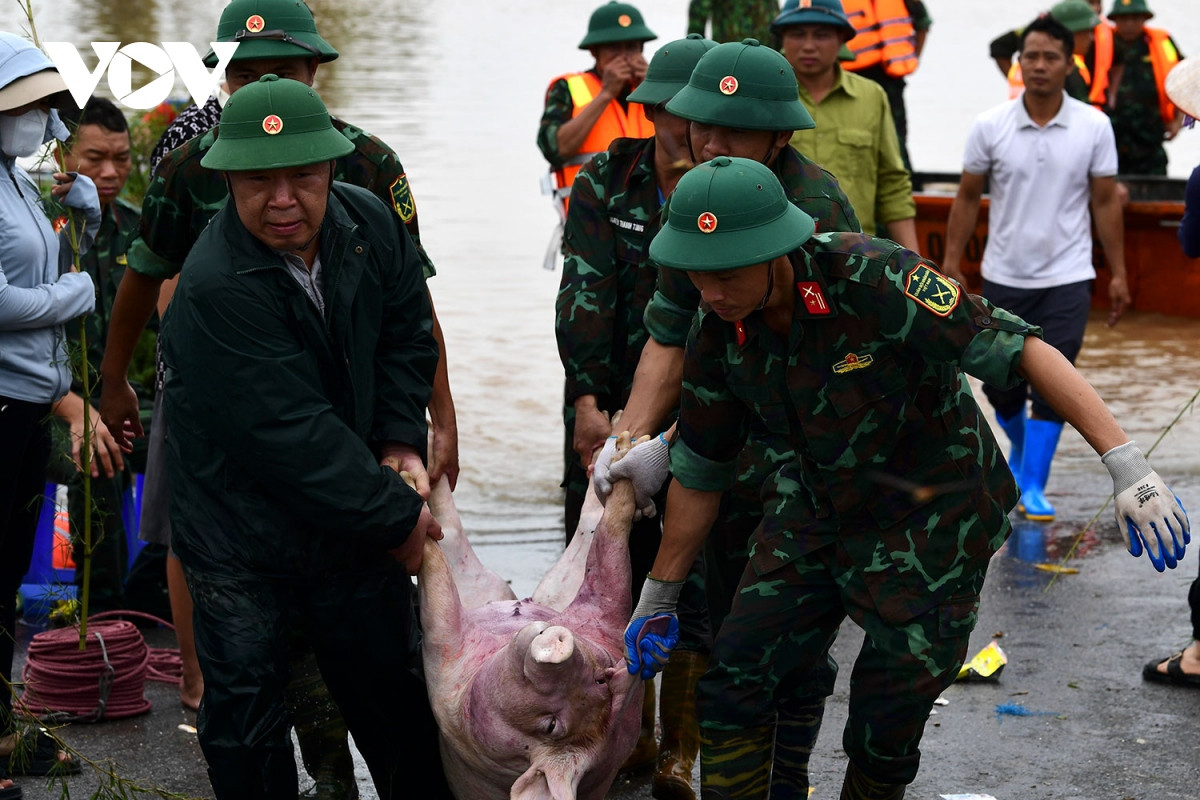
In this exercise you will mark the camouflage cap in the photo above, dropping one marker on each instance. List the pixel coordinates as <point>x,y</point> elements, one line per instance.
<point>616,22</point>
<point>813,12</point>
<point>1075,15</point>
<point>743,85</point>
<point>1130,7</point>
<point>669,70</point>
<point>728,213</point>
<point>271,29</point>
<point>274,123</point>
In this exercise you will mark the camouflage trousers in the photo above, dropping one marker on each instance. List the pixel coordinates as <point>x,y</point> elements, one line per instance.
<point>781,626</point>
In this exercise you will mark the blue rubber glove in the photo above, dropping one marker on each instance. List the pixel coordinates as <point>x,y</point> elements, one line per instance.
<point>1148,514</point>
<point>653,631</point>
<point>646,465</point>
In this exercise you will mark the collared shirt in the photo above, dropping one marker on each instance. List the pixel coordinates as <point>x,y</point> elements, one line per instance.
<point>1039,221</point>
<point>309,279</point>
<point>856,140</point>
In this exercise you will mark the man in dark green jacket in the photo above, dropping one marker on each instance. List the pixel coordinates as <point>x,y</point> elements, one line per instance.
<point>299,361</point>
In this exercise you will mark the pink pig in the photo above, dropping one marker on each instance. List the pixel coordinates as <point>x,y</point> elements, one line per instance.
<point>532,696</point>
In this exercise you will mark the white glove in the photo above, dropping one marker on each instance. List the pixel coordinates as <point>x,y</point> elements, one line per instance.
<point>600,479</point>
<point>646,465</point>
<point>1147,511</point>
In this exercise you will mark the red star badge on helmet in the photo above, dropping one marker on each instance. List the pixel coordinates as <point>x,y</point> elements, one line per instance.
<point>255,23</point>
<point>707,222</point>
<point>272,124</point>
<point>729,84</point>
<point>624,20</point>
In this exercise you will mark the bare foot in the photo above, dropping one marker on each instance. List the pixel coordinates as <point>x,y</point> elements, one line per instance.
<point>190,698</point>
<point>1189,663</point>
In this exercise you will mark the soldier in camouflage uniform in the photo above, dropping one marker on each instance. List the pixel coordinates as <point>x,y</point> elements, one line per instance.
<point>1134,94</point>
<point>851,350</point>
<point>606,284</point>
<point>733,20</point>
<point>99,147</point>
<point>279,37</point>
<point>742,99</point>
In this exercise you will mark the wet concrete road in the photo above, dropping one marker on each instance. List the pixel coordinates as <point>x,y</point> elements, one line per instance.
<point>1075,651</point>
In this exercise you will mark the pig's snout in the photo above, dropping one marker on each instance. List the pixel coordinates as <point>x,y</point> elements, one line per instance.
<point>555,645</point>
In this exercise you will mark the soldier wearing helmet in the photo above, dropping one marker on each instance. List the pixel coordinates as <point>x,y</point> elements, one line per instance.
<point>850,350</point>
<point>741,100</point>
<point>607,282</point>
<point>585,111</point>
<point>299,360</point>
<point>277,37</point>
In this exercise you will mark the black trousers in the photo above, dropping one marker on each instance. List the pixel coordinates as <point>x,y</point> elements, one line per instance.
<point>25,448</point>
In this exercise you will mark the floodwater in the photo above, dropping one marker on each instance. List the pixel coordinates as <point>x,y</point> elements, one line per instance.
<point>456,86</point>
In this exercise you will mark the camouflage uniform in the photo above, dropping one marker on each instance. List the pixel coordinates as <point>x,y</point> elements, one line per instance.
<point>868,392</point>
<point>668,319</point>
<point>733,20</point>
<point>106,263</point>
<point>1136,120</point>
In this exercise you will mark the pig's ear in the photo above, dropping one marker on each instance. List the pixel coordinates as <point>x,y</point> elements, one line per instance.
<point>546,782</point>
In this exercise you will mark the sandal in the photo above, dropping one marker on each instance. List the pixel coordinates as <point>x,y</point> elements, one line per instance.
<point>40,758</point>
<point>1174,676</point>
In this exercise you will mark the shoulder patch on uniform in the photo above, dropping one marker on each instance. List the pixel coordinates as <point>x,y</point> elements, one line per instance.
<point>932,290</point>
<point>402,199</point>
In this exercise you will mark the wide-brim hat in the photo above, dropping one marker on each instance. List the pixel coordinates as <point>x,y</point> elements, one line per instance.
<point>1075,15</point>
<point>270,29</point>
<point>274,123</point>
<point>728,213</point>
<point>1183,86</point>
<point>670,69</point>
<point>34,75</point>
<point>813,12</point>
<point>1129,7</point>
<point>616,22</point>
<point>743,85</point>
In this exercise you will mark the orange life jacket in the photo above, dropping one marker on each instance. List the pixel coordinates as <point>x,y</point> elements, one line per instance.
<point>613,123</point>
<point>1163,57</point>
<point>885,35</point>
<point>1102,56</point>
<point>1016,82</point>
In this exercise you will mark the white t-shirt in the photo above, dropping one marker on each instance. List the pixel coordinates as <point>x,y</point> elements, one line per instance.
<point>1039,221</point>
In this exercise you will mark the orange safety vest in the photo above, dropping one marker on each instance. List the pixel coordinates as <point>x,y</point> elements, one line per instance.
<point>615,122</point>
<point>884,35</point>
<point>1016,82</point>
<point>1163,58</point>
<point>1102,56</point>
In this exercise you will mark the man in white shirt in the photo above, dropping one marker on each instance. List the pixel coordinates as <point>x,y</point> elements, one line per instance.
<point>1049,158</point>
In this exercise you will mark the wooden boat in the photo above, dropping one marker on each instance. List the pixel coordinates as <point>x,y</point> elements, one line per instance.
<point>1161,278</point>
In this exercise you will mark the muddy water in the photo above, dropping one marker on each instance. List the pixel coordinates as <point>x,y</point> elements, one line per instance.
<point>455,86</point>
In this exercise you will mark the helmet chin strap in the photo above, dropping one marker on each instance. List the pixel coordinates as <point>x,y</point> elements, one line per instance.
<point>770,286</point>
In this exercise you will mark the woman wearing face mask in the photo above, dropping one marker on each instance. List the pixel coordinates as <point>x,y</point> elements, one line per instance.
<point>38,293</point>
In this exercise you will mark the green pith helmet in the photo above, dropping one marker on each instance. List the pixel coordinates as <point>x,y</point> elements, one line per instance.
<point>273,123</point>
<point>270,29</point>
<point>728,213</point>
<point>616,22</point>
<point>670,69</point>
<point>743,85</point>
<point>1128,7</point>
<point>1075,15</point>
<point>813,12</point>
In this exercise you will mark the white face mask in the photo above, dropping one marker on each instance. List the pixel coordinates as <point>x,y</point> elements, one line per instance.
<point>21,136</point>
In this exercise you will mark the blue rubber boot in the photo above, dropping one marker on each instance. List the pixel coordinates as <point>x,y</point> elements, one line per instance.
<point>1041,440</point>
<point>1014,429</point>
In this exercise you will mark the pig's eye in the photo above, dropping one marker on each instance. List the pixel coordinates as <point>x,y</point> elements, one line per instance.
<point>551,725</point>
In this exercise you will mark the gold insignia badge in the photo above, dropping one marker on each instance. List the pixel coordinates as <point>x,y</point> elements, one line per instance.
<point>729,85</point>
<point>624,20</point>
<point>852,362</point>
<point>932,290</point>
<point>806,3</point>
<point>707,222</point>
<point>272,124</point>
<point>402,199</point>
<point>255,23</point>
<point>122,260</point>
